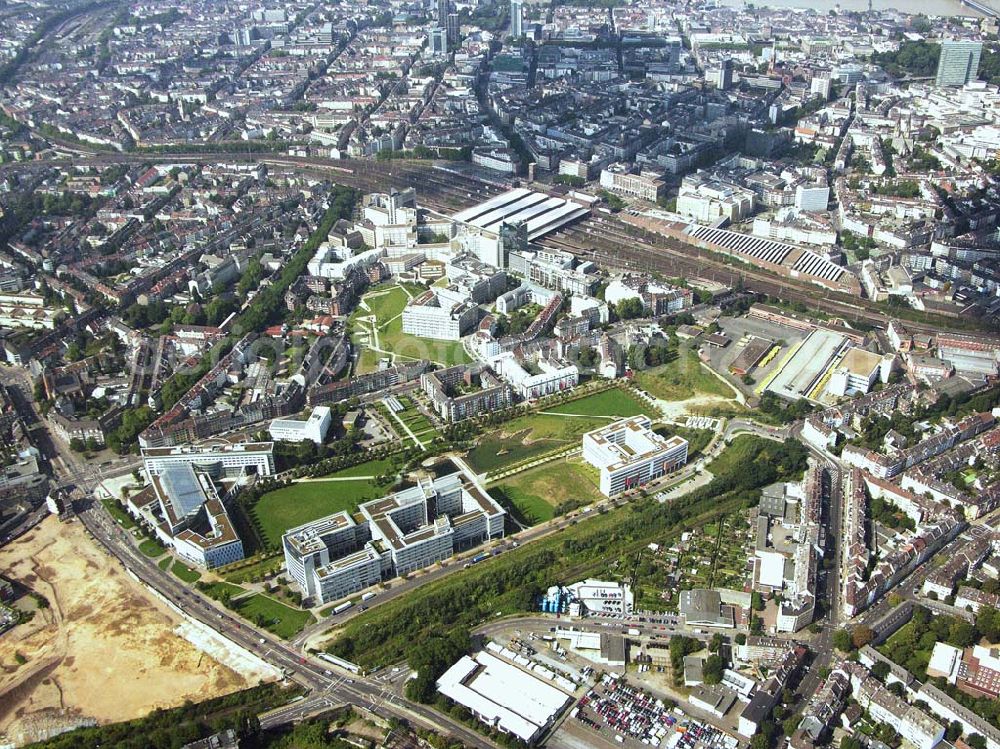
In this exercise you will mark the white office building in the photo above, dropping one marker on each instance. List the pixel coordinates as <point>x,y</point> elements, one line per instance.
<point>428,522</point>
<point>333,557</point>
<point>628,453</point>
<point>228,460</point>
<point>185,511</point>
<point>438,314</point>
<point>812,197</point>
<point>857,372</point>
<point>708,200</point>
<point>313,428</point>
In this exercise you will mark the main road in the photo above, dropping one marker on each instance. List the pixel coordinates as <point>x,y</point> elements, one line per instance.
<point>326,689</point>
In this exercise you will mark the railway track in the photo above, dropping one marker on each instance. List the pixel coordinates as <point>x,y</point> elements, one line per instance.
<point>608,241</point>
<point>618,246</point>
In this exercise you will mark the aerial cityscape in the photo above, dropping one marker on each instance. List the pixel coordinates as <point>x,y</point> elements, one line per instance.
<point>500,374</point>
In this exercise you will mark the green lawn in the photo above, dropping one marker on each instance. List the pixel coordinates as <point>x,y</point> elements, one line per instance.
<point>218,589</point>
<point>537,434</point>
<point>151,548</point>
<point>739,451</point>
<point>368,361</point>
<point>185,573</point>
<point>118,513</point>
<point>535,494</point>
<point>164,564</point>
<point>274,616</point>
<point>368,468</point>
<point>304,502</point>
<point>682,378</point>
<point>614,402</point>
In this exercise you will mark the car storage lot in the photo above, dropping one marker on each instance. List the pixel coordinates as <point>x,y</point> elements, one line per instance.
<point>627,716</point>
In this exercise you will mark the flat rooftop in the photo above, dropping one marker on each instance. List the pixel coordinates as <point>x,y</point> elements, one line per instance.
<point>628,440</point>
<point>179,450</point>
<point>540,213</point>
<point>502,693</point>
<point>799,374</point>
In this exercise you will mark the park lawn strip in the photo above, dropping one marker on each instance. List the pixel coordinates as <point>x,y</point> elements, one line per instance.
<point>529,508</point>
<point>164,564</point>
<point>386,303</point>
<point>185,573</point>
<point>530,436</point>
<point>257,570</point>
<point>368,361</point>
<point>219,589</point>
<point>511,583</point>
<point>151,548</point>
<point>274,616</point>
<point>682,378</point>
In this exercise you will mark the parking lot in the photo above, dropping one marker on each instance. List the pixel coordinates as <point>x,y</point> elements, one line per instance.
<point>629,716</point>
<point>739,329</point>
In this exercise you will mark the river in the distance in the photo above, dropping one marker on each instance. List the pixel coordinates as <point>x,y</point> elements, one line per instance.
<point>927,7</point>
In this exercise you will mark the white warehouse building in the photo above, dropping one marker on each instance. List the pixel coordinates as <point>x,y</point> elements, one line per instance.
<point>628,453</point>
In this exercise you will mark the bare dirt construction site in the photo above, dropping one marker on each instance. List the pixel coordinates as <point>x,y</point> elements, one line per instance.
<point>104,650</point>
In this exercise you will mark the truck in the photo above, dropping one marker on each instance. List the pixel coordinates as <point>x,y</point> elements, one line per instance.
<point>634,631</point>
<point>368,596</point>
<point>478,558</point>
<point>343,607</point>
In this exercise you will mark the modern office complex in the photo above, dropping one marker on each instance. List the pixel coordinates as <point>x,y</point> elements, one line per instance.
<point>299,430</point>
<point>220,460</point>
<point>338,555</point>
<point>185,511</point>
<point>958,63</point>
<point>628,453</point>
<point>333,557</point>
